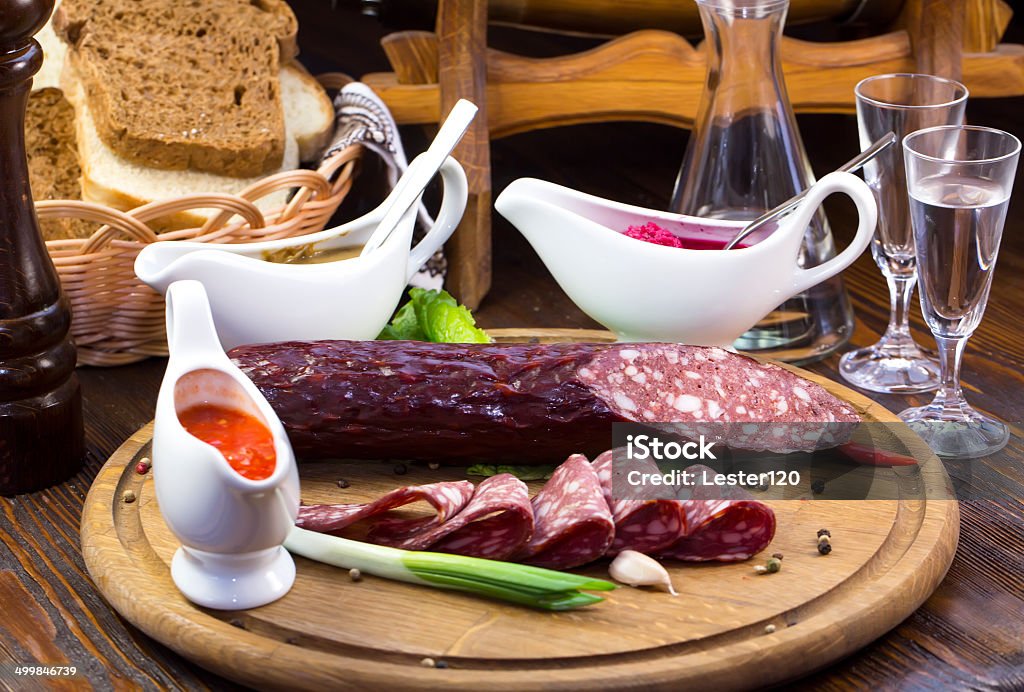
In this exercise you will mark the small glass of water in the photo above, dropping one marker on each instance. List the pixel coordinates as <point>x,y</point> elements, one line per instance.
<point>959,180</point>
<point>900,103</point>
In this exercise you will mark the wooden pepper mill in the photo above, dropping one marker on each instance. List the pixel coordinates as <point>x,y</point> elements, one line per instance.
<point>41,438</point>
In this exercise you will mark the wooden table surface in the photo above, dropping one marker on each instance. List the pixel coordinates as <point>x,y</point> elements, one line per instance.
<point>968,635</point>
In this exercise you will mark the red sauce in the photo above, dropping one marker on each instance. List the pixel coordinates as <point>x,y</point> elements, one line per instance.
<point>245,442</point>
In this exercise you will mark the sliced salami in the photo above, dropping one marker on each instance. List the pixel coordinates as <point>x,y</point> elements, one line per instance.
<point>447,498</point>
<point>724,531</point>
<point>721,526</point>
<point>643,525</point>
<point>573,524</point>
<point>496,523</point>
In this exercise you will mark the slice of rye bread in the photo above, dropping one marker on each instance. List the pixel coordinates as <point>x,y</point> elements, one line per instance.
<point>308,111</point>
<point>182,85</point>
<point>53,169</point>
<point>114,181</point>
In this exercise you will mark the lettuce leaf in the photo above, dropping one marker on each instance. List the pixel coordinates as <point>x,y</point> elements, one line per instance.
<point>434,316</point>
<point>404,325</point>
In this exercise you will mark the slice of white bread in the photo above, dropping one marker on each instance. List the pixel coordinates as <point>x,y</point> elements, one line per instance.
<point>308,112</point>
<point>54,52</point>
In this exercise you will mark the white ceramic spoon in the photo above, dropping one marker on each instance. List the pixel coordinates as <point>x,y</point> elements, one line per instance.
<point>422,170</point>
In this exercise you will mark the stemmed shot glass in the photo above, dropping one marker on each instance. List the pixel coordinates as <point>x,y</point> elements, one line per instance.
<point>899,103</point>
<point>959,180</point>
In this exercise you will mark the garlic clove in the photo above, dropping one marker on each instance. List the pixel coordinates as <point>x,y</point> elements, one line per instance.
<point>636,569</point>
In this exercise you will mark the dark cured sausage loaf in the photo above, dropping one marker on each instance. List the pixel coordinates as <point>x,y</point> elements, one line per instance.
<point>644,525</point>
<point>496,523</point>
<point>525,402</point>
<point>572,522</point>
<point>446,498</point>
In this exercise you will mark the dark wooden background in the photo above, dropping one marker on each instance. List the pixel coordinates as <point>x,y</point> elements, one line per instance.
<point>968,635</point>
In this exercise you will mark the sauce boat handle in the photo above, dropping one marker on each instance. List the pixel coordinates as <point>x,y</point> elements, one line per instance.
<point>867,215</point>
<point>453,205</point>
<point>191,332</point>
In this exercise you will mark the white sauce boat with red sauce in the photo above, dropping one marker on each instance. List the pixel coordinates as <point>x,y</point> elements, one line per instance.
<point>647,292</point>
<point>231,527</point>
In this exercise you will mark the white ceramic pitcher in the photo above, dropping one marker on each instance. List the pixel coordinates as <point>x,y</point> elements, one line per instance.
<point>231,528</point>
<point>647,292</point>
<point>256,301</point>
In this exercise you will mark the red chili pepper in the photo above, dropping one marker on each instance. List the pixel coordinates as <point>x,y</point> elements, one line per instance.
<point>871,456</point>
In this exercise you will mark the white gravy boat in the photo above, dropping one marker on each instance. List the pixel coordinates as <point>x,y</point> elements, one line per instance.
<point>647,292</point>
<point>231,527</point>
<point>256,301</point>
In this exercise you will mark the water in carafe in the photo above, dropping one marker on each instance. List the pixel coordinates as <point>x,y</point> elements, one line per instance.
<point>745,156</point>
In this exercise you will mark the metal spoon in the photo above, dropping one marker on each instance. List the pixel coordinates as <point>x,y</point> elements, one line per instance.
<point>853,164</point>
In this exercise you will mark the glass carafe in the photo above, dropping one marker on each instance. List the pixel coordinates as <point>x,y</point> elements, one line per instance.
<point>745,157</point>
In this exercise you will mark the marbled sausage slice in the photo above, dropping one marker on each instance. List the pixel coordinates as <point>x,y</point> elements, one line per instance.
<point>641,524</point>
<point>573,524</point>
<point>496,523</point>
<point>723,525</point>
<point>447,498</point>
<point>724,531</point>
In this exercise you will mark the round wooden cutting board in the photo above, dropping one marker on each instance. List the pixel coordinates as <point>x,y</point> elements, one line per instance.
<point>727,629</point>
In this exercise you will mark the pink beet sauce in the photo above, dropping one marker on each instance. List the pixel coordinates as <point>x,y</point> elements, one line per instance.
<point>688,236</point>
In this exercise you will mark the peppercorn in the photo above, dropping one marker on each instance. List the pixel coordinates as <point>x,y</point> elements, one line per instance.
<point>355,575</point>
<point>441,664</point>
<point>774,564</point>
<point>777,556</point>
<point>128,496</point>
<point>760,569</point>
<point>824,532</point>
<point>818,487</point>
<point>342,483</point>
<point>427,663</point>
<point>433,466</point>
<point>768,629</point>
<point>824,548</point>
<point>141,469</point>
<point>400,469</point>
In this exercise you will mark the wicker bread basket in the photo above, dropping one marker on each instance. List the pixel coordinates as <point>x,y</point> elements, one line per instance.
<point>116,319</point>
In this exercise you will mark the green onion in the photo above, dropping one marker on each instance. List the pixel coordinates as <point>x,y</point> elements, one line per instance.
<point>530,586</point>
